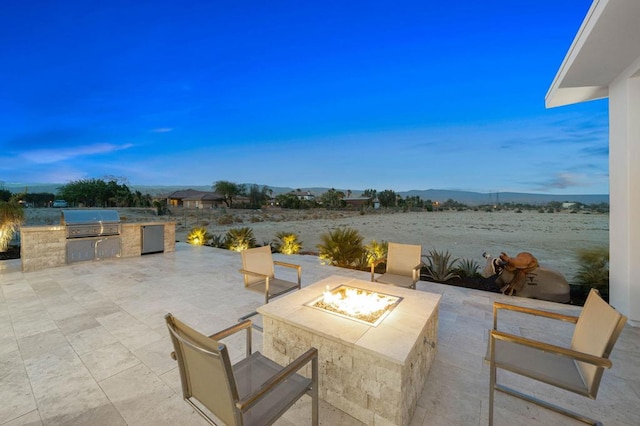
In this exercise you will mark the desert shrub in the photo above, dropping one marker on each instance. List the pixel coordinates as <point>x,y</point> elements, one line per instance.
<point>238,239</point>
<point>439,267</point>
<point>593,270</point>
<point>198,236</point>
<point>218,241</point>
<point>225,219</point>
<point>11,217</point>
<point>374,251</point>
<point>467,268</point>
<point>341,247</point>
<point>161,208</point>
<point>255,219</point>
<point>287,243</point>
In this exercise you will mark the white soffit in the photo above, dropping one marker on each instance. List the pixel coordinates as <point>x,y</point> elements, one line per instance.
<point>606,44</point>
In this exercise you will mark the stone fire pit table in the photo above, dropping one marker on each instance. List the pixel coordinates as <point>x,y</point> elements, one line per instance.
<point>374,374</point>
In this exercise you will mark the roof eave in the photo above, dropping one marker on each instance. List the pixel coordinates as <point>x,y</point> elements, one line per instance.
<point>574,95</point>
<point>557,96</point>
<point>604,48</point>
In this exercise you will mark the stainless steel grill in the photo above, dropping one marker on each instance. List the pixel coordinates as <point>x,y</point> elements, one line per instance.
<point>91,234</point>
<point>90,223</point>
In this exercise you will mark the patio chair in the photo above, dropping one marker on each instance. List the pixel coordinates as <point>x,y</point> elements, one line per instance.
<point>403,265</point>
<point>577,369</point>
<point>258,268</point>
<point>254,391</point>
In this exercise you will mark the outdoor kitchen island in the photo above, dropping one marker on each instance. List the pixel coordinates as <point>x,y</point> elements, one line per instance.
<point>373,373</point>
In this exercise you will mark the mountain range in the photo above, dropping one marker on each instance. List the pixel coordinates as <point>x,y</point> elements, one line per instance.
<point>442,195</point>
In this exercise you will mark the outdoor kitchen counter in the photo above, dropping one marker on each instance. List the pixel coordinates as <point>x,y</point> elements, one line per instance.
<point>131,237</point>
<point>44,247</point>
<point>375,374</point>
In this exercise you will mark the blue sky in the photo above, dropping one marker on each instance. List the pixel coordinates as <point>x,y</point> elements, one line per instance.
<point>386,95</point>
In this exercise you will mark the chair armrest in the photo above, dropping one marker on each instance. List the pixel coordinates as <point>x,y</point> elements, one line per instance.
<point>293,266</point>
<point>374,264</point>
<point>417,268</point>
<point>287,265</point>
<point>255,274</point>
<point>415,272</point>
<point>530,311</point>
<point>546,347</point>
<point>231,330</point>
<point>378,261</point>
<point>295,365</point>
<point>246,324</point>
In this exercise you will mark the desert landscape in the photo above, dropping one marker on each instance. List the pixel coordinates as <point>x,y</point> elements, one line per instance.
<point>552,237</point>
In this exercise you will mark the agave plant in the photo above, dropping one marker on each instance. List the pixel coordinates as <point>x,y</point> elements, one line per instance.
<point>218,241</point>
<point>198,236</point>
<point>238,239</point>
<point>287,243</point>
<point>440,267</point>
<point>341,247</point>
<point>467,267</point>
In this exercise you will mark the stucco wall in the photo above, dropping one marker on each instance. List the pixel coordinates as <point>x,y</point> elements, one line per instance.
<point>624,175</point>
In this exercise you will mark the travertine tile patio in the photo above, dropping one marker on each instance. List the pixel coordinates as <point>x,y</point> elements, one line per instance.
<point>86,344</point>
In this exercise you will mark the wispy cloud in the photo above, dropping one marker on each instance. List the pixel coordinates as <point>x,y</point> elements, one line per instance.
<point>48,156</point>
<point>565,181</point>
<point>162,130</point>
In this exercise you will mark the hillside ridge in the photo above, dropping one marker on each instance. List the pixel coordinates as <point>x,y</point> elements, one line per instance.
<point>442,195</point>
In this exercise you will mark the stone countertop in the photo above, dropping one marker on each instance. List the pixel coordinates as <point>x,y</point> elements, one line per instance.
<point>39,228</point>
<point>392,339</point>
<point>146,223</point>
<point>59,227</point>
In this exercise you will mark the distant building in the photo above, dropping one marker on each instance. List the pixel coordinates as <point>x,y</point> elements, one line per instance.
<point>303,195</point>
<point>357,202</point>
<point>568,205</point>
<point>192,199</point>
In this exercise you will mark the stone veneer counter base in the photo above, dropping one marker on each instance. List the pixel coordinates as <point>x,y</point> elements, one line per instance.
<point>374,374</point>
<point>44,247</point>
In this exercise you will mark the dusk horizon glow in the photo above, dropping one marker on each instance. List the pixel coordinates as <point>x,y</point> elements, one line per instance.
<point>409,95</point>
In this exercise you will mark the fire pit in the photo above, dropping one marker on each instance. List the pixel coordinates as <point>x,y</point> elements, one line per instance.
<point>373,373</point>
<point>357,304</point>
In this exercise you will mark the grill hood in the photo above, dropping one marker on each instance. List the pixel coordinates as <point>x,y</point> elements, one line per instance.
<point>88,217</point>
<point>90,223</point>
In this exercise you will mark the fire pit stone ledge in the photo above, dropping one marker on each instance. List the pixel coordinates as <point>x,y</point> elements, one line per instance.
<point>374,374</point>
